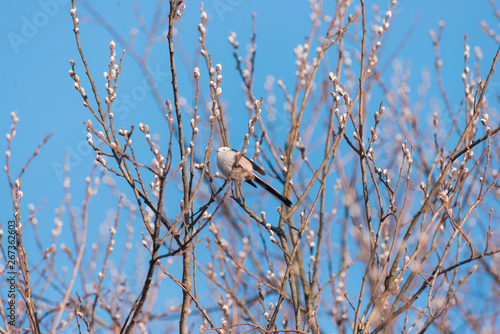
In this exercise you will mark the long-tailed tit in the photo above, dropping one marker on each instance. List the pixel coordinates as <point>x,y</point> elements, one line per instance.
<point>238,168</point>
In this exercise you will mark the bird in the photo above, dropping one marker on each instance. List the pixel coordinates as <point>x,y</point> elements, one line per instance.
<point>238,168</point>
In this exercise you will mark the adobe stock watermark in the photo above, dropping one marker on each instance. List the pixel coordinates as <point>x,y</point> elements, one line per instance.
<point>223,7</point>
<point>32,24</point>
<point>121,108</point>
<point>125,102</point>
<point>11,272</point>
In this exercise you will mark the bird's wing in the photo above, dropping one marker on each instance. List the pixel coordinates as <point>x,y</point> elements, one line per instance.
<point>254,165</point>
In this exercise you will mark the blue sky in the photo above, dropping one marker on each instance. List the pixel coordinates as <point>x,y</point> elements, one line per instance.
<point>38,43</point>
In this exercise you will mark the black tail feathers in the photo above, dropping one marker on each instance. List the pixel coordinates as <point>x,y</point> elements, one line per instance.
<point>272,191</point>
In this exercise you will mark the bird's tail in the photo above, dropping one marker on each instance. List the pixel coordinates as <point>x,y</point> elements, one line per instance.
<point>272,191</point>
